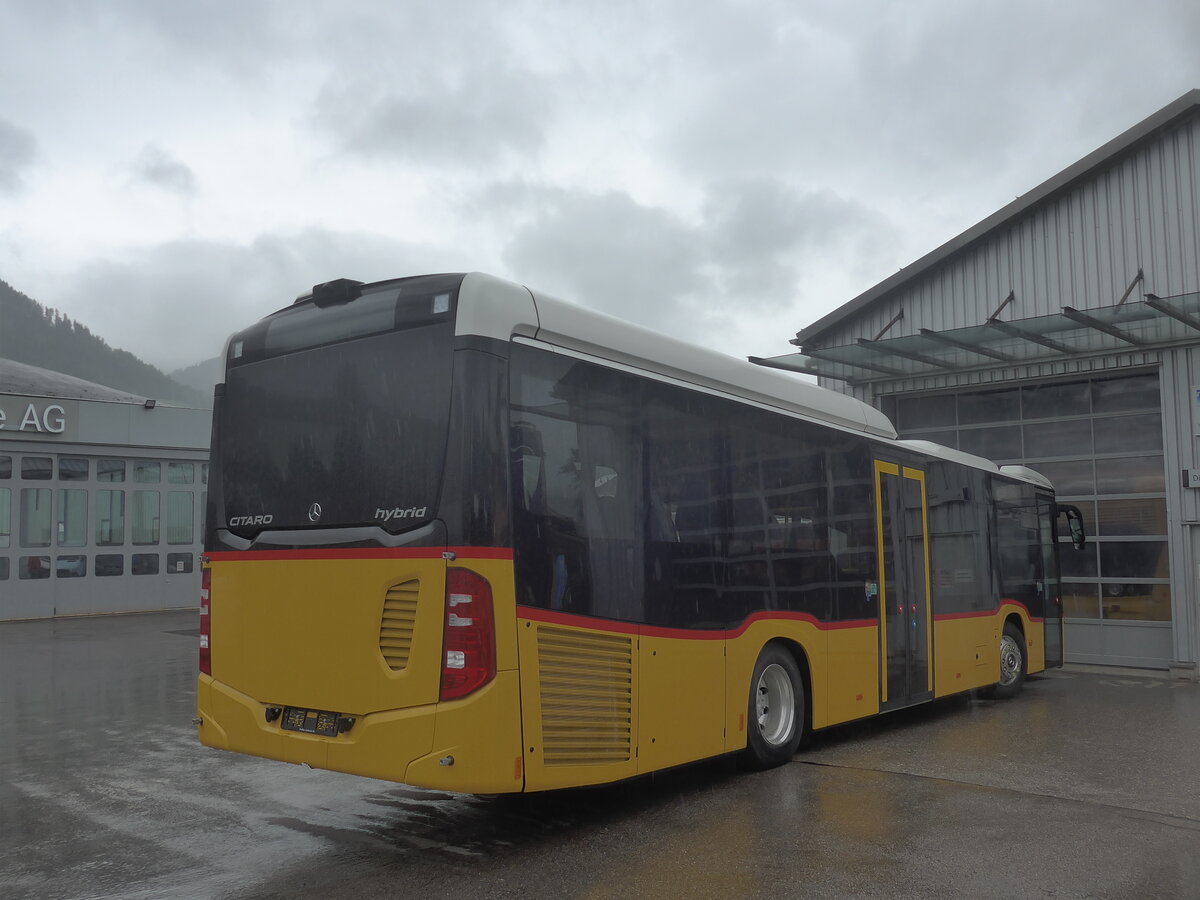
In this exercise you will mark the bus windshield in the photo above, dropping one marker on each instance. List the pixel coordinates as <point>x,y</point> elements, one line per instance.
<point>348,433</point>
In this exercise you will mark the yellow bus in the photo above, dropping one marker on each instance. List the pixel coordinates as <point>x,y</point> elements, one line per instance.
<point>467,536</point>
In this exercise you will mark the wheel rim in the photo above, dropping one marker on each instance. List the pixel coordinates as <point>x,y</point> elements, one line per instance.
<point>775,705</point>
<point>1010,660</point>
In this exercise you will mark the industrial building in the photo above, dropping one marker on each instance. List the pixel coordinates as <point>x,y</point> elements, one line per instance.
<point>1063,333</point>
<point>102,497</point>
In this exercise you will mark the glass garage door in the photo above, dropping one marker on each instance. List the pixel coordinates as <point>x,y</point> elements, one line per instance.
<point>1100,441</point>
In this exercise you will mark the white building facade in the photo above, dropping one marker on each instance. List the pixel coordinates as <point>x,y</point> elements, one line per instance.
<point>102,498</point>
<point>1063,333</point>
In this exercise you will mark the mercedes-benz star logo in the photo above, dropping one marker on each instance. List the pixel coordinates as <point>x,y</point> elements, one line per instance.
<point>314,512</point>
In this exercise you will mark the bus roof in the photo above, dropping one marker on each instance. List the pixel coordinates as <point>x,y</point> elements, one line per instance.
<point>492,307</point>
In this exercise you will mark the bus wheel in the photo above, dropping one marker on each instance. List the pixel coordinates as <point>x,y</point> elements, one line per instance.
<point>1013,663</point>
<point>776,710</point>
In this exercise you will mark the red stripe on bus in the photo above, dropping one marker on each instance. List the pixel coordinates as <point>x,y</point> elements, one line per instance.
<point>462,553</point>
<point>979,614</point>
<point>574,620</point>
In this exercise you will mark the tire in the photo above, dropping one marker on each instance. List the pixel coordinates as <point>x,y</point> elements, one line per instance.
<point>775,714</point>
<point>1014,663</point>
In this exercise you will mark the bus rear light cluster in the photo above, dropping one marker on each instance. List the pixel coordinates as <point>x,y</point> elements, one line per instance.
<point>469,642</point>
<point>205,621</point>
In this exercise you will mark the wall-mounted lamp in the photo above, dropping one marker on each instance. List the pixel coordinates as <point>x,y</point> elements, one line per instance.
<point>149,404</point>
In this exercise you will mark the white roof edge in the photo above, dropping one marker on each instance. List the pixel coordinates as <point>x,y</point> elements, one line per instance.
<point>929,448</point>
<point>596,334</point>
<point>1024,473</point>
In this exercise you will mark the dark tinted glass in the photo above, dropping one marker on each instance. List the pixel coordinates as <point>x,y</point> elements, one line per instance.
<point>1133,517</point>
<point>1049,401</point>
<point>924,412</point>
<point>5,467</point>
<point>110,564</point>
<point>1002,442</point>
<point>179,563</point>
<point>110,470</point>
<point>1070,478</point>
<point>3,568</point>
<point>991,406</point>
<point>144,564</point>
<point>1126,394</point>
<point>72,469</point>
<point>70,566</point>
<point>358,427</point>
<point>1134,559</point>
<point>1128,434</point>
<point>33,568</point>
<point>1130,475</point>
<point>1071,438</point>
<point>1080,601</point>
<point>37,468</point>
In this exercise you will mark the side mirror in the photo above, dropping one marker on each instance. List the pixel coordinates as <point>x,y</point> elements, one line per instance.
<point>1075,523</point>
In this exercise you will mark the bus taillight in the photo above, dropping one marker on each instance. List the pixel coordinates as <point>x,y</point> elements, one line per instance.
<point>469,659</point>
<point>205,629</point>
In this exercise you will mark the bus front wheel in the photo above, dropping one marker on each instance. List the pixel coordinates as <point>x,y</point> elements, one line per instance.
<point>1013,664</point>
<point>775,715</point>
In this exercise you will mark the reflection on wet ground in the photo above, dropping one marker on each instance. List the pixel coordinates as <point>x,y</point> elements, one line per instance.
<point>1085,785</point>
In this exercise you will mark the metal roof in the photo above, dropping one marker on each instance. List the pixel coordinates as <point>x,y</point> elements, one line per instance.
<point>30,381</point>
<point>1154,322</point>
<point>1166,118</point>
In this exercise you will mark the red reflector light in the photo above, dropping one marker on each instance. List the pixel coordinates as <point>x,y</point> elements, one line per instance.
<point>469,639</point>
<point>205,620</point>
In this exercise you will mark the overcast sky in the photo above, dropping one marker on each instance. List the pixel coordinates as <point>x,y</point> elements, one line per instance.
<point>726,172</point>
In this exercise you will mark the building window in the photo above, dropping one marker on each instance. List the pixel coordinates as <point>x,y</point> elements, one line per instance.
<point>147,472</point>
<point>72,517</point>
<point>145,523</point>
<point>36,520</point>
<point>5,518</point>
<point>3,568</point>
<point>72,469</point>
<point>145,564</point>
<point>179,563</point>
<point>181,473</point>
<point>5,467</point>
<point>110,470</point>
<point>110,518</point>
<point>179,517</point>
<point>70,566</point>
<point>110,564</point>
<point>33,568</point>
<point>37,468</point>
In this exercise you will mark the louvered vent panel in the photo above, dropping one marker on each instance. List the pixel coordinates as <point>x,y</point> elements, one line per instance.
<point>586,683</point>
<point>396,626</point>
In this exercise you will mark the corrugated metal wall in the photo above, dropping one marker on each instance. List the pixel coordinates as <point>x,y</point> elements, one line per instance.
<point>1081,249</point>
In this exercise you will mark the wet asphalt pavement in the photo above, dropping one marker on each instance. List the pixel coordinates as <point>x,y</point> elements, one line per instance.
<point>1087,785</point>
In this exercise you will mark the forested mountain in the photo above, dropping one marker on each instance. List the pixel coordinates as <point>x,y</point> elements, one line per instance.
<point>202,376</point>
<point>39,336</point>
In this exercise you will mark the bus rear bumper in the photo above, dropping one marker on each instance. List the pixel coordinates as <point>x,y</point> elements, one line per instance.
<point>471,745</point>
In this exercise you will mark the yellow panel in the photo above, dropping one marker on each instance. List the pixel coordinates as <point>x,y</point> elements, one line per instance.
<point>578,703</point>
<point>361,637</point>
<point>306,632</point>
<point>681,701</point>
<point>965,653</point>
<point>852,676</point>
<point>482,734</point>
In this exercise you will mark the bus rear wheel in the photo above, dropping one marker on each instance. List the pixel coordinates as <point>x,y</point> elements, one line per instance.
<point>1013,664</point>
<point>775,711</point>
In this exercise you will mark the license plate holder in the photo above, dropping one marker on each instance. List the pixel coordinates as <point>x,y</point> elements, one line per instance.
<point>310,721</point>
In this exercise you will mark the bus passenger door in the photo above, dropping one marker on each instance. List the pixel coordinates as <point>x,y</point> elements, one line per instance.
<point>905,626</point>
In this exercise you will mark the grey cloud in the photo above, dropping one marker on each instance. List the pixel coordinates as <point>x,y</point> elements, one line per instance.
<point>159,168</point>
<point>18,151</point>
<point>477,115</point>
<point>753,247</point>
<point>174,304</point>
